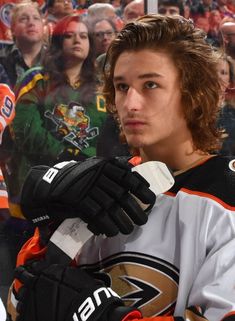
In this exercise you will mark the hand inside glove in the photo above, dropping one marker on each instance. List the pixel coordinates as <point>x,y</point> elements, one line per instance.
<point>105,194</point>
<point>61,293</point>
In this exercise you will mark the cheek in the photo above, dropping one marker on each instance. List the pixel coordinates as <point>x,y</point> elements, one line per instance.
<point>64,47</point>
<point>40,25</point>
<point>18,29</point>
<point>88,46</point>
<point>117,102</point>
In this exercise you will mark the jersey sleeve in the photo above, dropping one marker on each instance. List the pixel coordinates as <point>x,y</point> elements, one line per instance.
<point>7,107</point>
<point>29,131</point>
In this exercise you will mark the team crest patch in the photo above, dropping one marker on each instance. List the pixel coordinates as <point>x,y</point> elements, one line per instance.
<point>73,125</point>
<point>144,282</point>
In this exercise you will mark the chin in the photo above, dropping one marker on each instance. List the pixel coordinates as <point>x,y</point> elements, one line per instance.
<point>135,142</point>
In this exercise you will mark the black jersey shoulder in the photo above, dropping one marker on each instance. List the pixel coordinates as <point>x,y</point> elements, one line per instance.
<point>216,177</point>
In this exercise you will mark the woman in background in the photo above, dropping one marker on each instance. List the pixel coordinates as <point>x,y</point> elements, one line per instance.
<point>227,113</point>
<point>59,112</point>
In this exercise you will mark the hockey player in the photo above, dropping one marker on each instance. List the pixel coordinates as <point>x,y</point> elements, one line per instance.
<point>178,262</point>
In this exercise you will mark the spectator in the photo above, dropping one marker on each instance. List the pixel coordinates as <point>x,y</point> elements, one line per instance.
<point>227,29</point>
<point>56,9</point>
<point>123,4</point>
<point>202,23</point>
<point>104,10</point>
<point>170,7</point>
<point>133,10</point>
<point>227,113</point>
<point>82,4</point>
<point>4,79</point>
<point>28,34</point>
<point>231,5</point>
<point>187,9</point>
<point>59,112</point>
<point>116,3</point>
<point>6,7</point>
<point>202,8</point>
<point>104,32</point>
<point>223,8</point>
<point>7,113</point>
<point>213,34</point>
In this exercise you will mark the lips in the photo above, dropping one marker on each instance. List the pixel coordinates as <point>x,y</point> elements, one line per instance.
<point>134,123</point>
<point>76,48</point>
<point>32,31</point>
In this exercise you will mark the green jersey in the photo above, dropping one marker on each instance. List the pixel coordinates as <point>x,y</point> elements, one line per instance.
<point>49,120</point>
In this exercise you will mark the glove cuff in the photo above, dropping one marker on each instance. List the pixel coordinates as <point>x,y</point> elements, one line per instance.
<point>123,313</point>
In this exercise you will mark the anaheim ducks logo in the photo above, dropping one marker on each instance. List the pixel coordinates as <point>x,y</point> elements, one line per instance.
<point>142,281</point>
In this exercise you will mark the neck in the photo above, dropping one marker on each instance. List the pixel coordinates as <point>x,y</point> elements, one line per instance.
<point>30,52</point>
<point>175,157</point>
<point>73,73</point>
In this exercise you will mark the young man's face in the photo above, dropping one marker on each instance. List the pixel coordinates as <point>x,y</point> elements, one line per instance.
<point>76,42</point>
<point>62,8</point>
<point>148,99</point>
<point>168,10</point>
<point>28,26</point>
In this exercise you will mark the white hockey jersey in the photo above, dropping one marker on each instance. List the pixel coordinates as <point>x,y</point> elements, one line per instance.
<point>182,261</point>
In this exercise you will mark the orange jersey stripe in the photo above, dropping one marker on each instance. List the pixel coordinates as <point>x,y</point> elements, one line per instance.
<point>30,250</point>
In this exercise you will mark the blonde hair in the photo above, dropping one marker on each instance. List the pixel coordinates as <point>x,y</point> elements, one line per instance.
<point>17,8</point>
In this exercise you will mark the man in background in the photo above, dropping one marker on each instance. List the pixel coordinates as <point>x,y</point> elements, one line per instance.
<point>28,34</point>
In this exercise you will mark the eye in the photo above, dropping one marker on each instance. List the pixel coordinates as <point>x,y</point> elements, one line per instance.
<point>150,85</point>
<point>68,35</point>
<point>121,87</point>
<point>83,35</point>
<point>22,19</point>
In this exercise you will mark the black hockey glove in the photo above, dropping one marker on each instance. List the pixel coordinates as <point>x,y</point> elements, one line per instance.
<point>60,293</point>
<point>103,193</point>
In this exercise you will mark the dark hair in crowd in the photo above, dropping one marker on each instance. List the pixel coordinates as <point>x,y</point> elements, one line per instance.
<point>54,62</point>
<point>195,60</point>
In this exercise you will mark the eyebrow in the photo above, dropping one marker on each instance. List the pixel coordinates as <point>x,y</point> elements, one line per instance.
<point>77,32</point>
<point>143,76</point>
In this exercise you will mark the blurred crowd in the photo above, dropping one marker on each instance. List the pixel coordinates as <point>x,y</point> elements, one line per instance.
<point>52,57</point>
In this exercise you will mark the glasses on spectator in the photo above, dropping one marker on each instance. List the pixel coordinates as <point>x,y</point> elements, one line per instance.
<point>167,11</point>
<point>102,34</point>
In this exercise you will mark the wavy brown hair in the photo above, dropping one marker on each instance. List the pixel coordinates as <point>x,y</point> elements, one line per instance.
<point>195,60</point>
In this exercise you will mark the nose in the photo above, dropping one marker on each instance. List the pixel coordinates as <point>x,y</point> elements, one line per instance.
<point>76,37</point>
<point>133,100</point>
<point>31,21</point>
